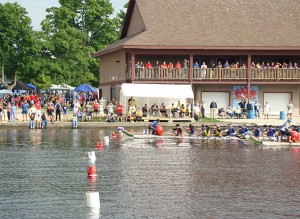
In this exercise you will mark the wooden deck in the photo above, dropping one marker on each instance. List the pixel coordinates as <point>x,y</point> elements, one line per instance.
<point>167,119</point>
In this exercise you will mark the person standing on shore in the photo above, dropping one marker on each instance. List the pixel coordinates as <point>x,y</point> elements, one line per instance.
<point>202,108</point>
<point>290,107</point>
<point>267,109</point>
<point>25,110</point>
<point>213,109</point>
<point>257,108</point>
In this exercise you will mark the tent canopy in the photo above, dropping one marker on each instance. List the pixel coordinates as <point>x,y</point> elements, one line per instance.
<point>85,88</point>
<point>5,91</point>
<point>21,86</point>
<point>155,93</point>
<point>157,90</point>
<point>32,86</point>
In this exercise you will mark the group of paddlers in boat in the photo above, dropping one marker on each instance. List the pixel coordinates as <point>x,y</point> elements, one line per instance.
<point>286,132</point>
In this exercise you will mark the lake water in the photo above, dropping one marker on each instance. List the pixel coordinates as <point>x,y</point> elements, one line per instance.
<point>43,174</point>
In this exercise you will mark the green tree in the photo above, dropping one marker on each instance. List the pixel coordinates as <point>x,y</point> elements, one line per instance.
<point>73,32</point>
<point>17,42</point>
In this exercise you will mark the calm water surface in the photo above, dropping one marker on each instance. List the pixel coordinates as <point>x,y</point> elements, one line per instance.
<point>43,175</point>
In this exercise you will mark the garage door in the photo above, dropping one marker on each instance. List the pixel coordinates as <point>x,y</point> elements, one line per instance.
<point>222,99</point>
<point>278,101</point>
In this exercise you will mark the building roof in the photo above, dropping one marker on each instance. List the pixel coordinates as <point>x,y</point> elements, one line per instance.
<point>205,24</point>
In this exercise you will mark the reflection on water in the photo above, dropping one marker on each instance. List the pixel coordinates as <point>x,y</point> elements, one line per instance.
<point>43,174</point>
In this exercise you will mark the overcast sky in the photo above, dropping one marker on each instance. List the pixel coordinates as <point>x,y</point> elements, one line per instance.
<point>37,8</point>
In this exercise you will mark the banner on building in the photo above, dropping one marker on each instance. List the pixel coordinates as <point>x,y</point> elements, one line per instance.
<point>241,92</point>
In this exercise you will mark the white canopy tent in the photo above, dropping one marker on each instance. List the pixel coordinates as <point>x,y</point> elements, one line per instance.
<point>155,93</point>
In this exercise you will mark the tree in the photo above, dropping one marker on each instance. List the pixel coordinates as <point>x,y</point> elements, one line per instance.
<point>73,32</point>
<point>17,43</point>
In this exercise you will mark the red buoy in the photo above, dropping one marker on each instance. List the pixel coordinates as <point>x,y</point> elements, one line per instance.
<point>159,130</point>
<point>295,136</point>
<point>92,171</point>
<point>100,146</point>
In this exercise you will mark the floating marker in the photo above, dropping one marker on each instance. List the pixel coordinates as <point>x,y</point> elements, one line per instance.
<point>91,158</point>
<point>106,140</point>
<point>100,145</point>
<point>93,199</point>
<point>92,171</point>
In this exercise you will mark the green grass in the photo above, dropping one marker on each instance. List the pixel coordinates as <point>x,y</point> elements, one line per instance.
<point>209,120</point>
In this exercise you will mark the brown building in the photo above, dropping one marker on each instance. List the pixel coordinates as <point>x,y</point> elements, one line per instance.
<point>237,44</point>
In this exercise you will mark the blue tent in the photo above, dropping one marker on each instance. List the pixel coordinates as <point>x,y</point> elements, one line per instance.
<point>85,88</point>
<point>32,86</point>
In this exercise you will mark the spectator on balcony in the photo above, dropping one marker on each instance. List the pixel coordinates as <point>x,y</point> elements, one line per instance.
<point>226,65</point>
<point>284,65</point>
<point>170,67</point>
<point>253,65</point>
<point>164,67</point>
<point>263,65</point>
<point>290,65</point>
<point>196,68</point>
<point>142,70</point>
<point>178,70</point>
<point>203,70</point>
<point>156,69</point>
<point>186,66</point>
<point>138,70</point>
<point>149,70</point>
<point>296,65</point>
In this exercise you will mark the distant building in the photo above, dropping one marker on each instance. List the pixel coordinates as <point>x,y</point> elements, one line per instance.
<point>242,43</point>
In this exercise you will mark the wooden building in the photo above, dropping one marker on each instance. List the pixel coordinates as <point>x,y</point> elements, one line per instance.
<point>259,39</point>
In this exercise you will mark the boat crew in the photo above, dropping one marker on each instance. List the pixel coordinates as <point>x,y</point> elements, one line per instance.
<point>152,127</point>
<point>285,130</point>
<point>191,129</point>
<point>243,129</point>
<point>256,131</point>
<point>271,131</point>
<point>230,130</point>
<point>178,129</point>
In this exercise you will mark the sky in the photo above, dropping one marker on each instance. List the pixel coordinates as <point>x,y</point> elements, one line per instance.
<point>37,8</point>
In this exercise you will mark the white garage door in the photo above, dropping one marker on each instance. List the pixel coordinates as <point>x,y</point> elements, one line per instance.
<point>278,101</point>
<point>221,98</point>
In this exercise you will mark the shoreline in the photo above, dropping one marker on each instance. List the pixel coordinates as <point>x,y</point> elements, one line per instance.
<point>274,121</point>
<point>221,122</point>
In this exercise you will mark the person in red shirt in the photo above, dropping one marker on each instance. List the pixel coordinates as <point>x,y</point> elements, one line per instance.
<point>164,67</point>
<point>38,108</point>
<point>149,72</point>
<point>178,71</point>
<point>120,112</point>
<point>32,99</point>
<point>96,107</point>
<point>170,67</point>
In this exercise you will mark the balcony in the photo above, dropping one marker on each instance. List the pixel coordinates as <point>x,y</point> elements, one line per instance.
<point>216,74</point>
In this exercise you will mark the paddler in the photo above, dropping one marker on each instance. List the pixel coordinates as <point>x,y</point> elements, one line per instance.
<point>285,130</point>
<point>256,131</point>
<point>152,127</point>
<point>230,130</point>
<point>191,129</point>
<point>178,130</point>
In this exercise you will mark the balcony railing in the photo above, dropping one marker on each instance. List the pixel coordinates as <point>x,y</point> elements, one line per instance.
<point>215,74</point>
